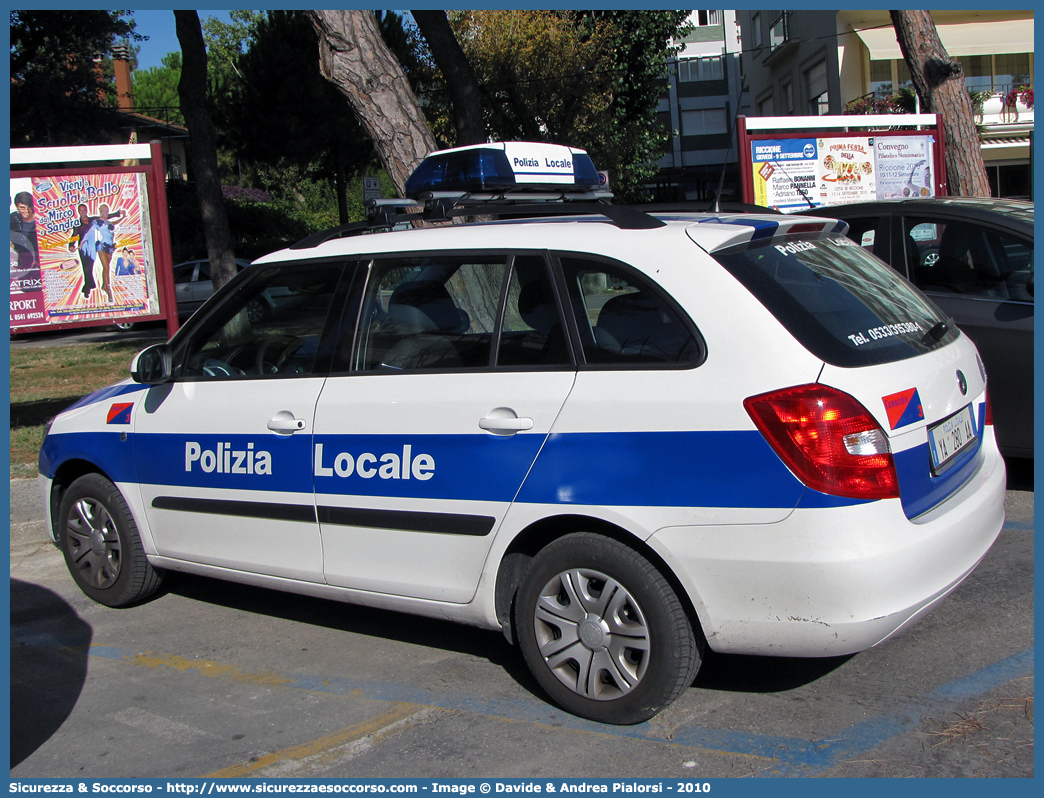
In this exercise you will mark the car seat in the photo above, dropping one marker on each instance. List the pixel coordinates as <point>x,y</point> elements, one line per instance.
<point>421,314</point>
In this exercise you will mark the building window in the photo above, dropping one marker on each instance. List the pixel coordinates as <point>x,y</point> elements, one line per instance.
<point>766,107</point>
<point>982,73</point>
<point>816,90</point>
<point>708,68</point>
<point>881,79</point>
<point>902,71</point>
<point>1011,70</point>
<point>755,24</point>
<point>778,31</point>
<point>173,164</point>
<point>704,122</point>
<point>978,72</point>
<point>787,97</point>
<point>705,18</point>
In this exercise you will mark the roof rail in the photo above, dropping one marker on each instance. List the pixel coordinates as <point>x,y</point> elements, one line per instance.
<point>386,214</point>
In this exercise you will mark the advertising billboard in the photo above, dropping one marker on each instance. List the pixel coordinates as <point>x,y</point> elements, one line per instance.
<point>796,171</point>
<point>90,242</point>
<point>82,249</point>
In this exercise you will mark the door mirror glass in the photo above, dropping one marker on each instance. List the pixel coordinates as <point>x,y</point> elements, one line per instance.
<point>152,366</point>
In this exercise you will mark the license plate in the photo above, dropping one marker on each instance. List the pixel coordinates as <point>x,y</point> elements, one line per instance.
<point>950,437</point>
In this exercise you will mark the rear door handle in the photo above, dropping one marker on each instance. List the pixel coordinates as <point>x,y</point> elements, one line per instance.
<point>504,421</point>
<point>505,425</point>
<point>285,423</point>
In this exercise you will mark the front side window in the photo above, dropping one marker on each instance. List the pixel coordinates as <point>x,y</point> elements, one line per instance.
<point>269,326</point>
<point>623,320</point>
<point>958,257</point>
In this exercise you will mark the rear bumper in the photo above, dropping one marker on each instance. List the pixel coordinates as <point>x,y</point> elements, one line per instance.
<point>833,581</point>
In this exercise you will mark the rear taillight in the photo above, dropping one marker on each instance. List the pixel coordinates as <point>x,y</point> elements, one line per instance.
<point>828,439</point>
<point>989,410</point>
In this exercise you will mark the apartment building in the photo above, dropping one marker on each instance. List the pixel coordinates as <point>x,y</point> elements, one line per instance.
<point>818,62</point>
<point>705,95</point>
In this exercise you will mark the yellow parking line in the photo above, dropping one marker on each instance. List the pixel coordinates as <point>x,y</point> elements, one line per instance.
<point>326,748</point>
<point>205,667</point>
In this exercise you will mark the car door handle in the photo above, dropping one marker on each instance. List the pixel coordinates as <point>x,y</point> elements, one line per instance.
<point>284,423</point>
<point>505,424</point>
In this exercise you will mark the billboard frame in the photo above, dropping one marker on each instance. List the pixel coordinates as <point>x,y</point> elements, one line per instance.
<point>81,160</point>
<point>754,129</point>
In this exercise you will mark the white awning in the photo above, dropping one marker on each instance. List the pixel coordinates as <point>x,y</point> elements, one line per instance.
<point>966,38</point>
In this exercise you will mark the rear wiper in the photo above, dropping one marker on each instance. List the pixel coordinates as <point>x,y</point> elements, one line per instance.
<point>936,333</point>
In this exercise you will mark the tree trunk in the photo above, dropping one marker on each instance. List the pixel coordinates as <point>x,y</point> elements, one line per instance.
<point>939,82</point>
<point>202,150</point>
<point>354,57</point>
<point>460,77</point>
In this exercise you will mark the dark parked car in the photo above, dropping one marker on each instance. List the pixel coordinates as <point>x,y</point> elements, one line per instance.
<point>974,257</point>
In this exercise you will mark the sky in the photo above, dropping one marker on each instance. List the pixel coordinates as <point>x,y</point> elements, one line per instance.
<point>159,27</point>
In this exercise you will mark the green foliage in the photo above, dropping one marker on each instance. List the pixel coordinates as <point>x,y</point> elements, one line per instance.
<point>590,79</point>
<point>639,45</point>
<point>156,90</point>
<point>57,96</point>
<point>289,206</point>
<point>226,43</point>
<point>256,227</point>
<point>282,110</point>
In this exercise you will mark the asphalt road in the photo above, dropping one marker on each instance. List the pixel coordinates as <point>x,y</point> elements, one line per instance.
<point>210,679</point>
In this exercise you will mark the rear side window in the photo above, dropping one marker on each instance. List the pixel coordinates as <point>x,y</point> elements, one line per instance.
<point>839,302</point>
<point>432,312</point>
<point>623,320</point>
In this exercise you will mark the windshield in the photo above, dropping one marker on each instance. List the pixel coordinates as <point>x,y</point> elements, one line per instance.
<point>840,302</point>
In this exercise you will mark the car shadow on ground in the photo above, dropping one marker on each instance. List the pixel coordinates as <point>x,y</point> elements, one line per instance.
<point>49,644</point>
<point>748,674</point>
<point>732,673</point>
<point>1020,473</point>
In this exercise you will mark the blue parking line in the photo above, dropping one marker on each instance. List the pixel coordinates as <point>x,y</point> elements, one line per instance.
<point>1017,526</point>
<point>790,756</point>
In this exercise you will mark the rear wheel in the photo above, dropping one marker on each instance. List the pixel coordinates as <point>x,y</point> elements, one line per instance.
<point>101,544</point>
<point>603,632</point>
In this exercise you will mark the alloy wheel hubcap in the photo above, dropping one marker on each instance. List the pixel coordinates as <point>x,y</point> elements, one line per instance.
<point>592,634</point>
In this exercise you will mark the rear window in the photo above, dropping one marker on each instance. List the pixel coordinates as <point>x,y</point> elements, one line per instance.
<point>841,303</point>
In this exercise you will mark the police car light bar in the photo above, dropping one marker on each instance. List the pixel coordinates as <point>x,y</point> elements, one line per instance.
<point>495,169</point>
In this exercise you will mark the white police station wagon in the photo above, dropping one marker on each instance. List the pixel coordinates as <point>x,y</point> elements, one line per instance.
<point>622,438</point>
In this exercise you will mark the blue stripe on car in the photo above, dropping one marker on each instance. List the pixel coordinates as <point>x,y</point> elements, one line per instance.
<point>653,469</point>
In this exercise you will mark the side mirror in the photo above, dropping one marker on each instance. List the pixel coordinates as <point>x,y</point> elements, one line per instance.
<point>153,366</point>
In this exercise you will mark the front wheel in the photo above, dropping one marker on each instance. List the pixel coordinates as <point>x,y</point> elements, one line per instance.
<point>603,632</point>
<point>101,544</point>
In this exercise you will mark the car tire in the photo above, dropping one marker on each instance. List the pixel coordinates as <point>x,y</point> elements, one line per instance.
<point>602,631</point>
<point>124,326</point>
<point>101,545</point>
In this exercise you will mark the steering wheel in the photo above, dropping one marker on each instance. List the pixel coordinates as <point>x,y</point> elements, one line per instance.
<point>273,353</point>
